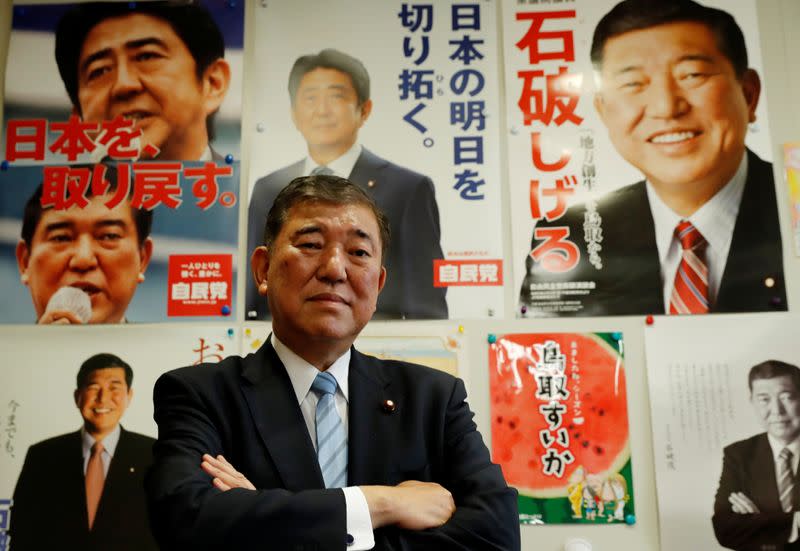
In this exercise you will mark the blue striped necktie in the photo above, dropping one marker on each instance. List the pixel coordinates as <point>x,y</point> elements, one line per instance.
<point>785,480</point>
<point>331,437</point>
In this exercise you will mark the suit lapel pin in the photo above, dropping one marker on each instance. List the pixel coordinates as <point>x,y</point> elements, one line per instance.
<point>388,406</point>
<point>371,183</point>
<point>133,469</point>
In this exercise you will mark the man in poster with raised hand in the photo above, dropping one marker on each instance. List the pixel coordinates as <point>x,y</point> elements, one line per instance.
<point>701,233</point>
<point>308,443</point>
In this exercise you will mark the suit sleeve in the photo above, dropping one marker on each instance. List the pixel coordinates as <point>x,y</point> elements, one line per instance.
<point>24,519</point>
<point>187,512</point>
<point>743,531</point>
<point>421,238</point>
<point>486,515</point>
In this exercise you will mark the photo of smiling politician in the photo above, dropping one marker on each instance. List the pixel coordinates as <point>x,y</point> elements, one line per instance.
<point>84,490</point>
<point>757,505</point>
<point>700,233</point>
<point>330,102</point>
<point>159,64</point>
<point>83,265</point>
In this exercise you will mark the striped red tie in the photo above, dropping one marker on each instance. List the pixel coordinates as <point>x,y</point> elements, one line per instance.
<point>690,292</point>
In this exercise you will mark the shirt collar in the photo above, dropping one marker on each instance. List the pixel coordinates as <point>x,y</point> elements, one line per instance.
<point>206,156</point>
<point>302,374</point>
<point>109,442</point>
<point>715,220</point>
<point>777,446</point>
<point>342,166</point>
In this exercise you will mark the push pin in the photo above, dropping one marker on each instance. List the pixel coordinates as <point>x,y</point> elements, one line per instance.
<point>649,320</point>
<point>492,338</point>
<point>229,159</point>
<point>630,519</point>
<point>616,335</point>
<point>4,165</point>
<point>389,406</point>
<point>523,309</point>
<point>230,332</point>
<point>226,310</point>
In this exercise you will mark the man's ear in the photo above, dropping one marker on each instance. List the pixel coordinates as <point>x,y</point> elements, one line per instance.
<point>751,87</point>
<point>23,255</point>
<point>382,279</point>
<point>145,253</point>
<point>599,106</point>
<point>366,109</point>
<point>259,265</point>
<point>216,80</point>
<point>76,396</point>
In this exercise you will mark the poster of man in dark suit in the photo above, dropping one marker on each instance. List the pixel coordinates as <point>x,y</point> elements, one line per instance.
<point>330,101</point>
<point>757,506</point>
<point>84,489</point>
<point>700,233</point>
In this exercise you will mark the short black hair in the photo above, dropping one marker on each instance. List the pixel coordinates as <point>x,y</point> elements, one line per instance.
<point>331,59</point>
<point>102,361</point>
<point>191,22</point>
<point>634,15</point>
<point>322,188</point>
<point>774,368</point>
<point>142,218</point>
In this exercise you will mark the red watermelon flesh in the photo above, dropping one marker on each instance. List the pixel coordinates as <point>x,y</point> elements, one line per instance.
<point>596,418</point>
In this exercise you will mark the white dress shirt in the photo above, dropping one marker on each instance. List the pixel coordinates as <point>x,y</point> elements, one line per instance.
<point>794,447</point>
<point>341,167</point>
<point>302,375</point>
<point>715,220</point>
<point>109,447</point>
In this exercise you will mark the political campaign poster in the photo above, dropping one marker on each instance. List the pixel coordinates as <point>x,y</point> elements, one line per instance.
<point>120,166</point>
<point>559,421</point>
<point>725,399</point>
<point>639,143</point>
<point>64,385</point>
<point>791,167</point>
<point>438,347</point>
<point>402,99</point>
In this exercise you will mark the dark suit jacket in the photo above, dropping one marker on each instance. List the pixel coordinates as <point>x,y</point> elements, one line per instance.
<point>407,198</point>
<point>246,410</point>
<point>49,508</point>
<point>749,467</point>
<point>630,281</point>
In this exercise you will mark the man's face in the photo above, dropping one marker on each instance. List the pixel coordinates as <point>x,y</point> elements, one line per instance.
<point>323,273</point>
<point>777,405</point>
<point>674,107</point>
<point>135,66</point>
<point>326,110</point>
<point>95,249</point>
<point>103,400</point>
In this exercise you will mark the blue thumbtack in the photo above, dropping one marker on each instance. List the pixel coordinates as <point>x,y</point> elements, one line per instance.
<point>492,338</point>
<point>616,335</point>
<point>230,331</point>
<point>4,165</point>
<point>226,310</point>
<point>229,158</point>
<point>630,519</point>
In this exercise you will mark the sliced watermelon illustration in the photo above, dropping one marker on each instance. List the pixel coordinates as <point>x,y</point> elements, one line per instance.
<point>576,455</point>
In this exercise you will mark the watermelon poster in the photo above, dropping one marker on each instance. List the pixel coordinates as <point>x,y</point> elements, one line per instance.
<point>560,425</point>
<point>725,401</point>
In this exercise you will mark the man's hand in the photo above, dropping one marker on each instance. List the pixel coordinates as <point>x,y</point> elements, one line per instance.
<point>411,505</point>
<point>59,317</point>
<point>742,504</point>
<point>225,476</point>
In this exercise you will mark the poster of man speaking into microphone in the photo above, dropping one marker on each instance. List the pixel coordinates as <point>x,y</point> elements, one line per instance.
<point>120,162</point>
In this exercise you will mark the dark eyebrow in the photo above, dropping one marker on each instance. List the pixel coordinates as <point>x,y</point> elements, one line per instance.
<point>688,57</point>
<point>58,226</point>
<point>132,45</point>
<point>312,228</point>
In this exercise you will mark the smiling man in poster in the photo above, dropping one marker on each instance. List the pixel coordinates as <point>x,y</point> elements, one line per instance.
<point>701,233</point>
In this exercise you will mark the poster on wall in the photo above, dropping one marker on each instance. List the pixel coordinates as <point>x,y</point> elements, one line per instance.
<point>639,159</point>
<point>432,346</point>
<point>559,421</point>
<point>402,99</point>
<point>725,399</point>
<point>120,170</point>
<point>56,382</point>
<point>791,166</point>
